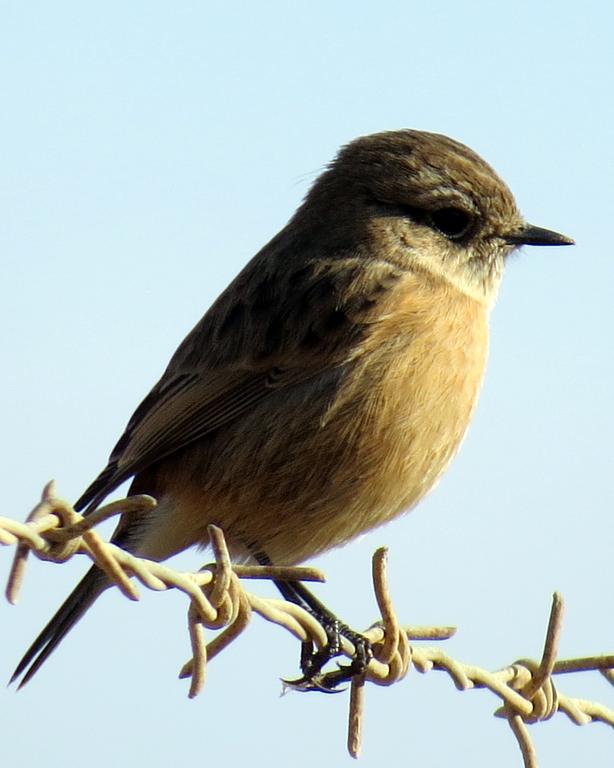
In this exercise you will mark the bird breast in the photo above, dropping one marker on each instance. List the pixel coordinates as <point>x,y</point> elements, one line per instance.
<point>398,418</point>
<point>312,468</point>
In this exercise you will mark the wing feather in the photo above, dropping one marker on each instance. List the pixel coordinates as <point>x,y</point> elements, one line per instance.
<point>265,332</point>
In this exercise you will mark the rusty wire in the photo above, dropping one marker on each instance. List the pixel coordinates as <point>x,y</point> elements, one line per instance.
<point>219,601</point>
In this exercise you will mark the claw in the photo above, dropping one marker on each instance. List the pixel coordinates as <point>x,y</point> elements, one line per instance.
<point>317,683</point>
<point>328,682</point>
<point>314,660</point>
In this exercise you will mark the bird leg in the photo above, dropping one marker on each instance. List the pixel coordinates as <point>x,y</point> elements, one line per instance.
<point>314,660</point>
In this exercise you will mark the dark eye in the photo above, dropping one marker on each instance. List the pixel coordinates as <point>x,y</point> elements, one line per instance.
<point>454,223</point>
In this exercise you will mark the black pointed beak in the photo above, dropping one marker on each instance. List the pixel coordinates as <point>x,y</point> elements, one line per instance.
<point>530,235</point>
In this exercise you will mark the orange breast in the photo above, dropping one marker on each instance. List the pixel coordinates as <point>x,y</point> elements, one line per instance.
<point>409,401</point>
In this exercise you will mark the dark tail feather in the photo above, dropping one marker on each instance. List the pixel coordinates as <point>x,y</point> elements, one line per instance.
<point>91,586</point>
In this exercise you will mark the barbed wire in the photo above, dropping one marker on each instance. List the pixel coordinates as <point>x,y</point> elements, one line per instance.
<point>219,601</point>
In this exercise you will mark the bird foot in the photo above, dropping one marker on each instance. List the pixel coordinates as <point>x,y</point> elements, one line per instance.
<point>313,661</point>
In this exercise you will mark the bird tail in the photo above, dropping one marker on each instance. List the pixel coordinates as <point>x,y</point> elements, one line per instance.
<point>91,586</point>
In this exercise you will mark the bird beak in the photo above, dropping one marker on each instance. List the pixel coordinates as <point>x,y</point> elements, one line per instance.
<point>530,235</point>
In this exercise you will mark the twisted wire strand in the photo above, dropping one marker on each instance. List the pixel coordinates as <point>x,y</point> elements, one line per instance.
<point>53,531</point>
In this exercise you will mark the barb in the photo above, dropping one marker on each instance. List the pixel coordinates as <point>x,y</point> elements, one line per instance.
<point>218,601</point>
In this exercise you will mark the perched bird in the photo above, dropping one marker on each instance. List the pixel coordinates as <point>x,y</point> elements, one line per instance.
<point>329,386</point>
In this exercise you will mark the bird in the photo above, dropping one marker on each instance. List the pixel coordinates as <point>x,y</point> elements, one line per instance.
<point>329,386</point>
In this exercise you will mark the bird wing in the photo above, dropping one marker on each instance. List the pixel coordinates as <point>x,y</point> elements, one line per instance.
<point>169,421</point>
<point>262,334</point>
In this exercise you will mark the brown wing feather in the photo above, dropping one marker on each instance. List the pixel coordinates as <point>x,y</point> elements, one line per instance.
<point>310,317</point>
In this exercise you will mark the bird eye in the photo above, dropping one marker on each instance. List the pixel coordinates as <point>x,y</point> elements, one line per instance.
<point>454,223</point>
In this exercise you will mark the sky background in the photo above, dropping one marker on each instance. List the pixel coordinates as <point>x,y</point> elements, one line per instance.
<point>149,149</point>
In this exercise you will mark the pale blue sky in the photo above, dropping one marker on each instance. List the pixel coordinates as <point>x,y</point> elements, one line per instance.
<point>149,150</point>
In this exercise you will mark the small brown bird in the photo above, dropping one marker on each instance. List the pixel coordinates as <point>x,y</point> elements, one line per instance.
<point>331,383</point>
